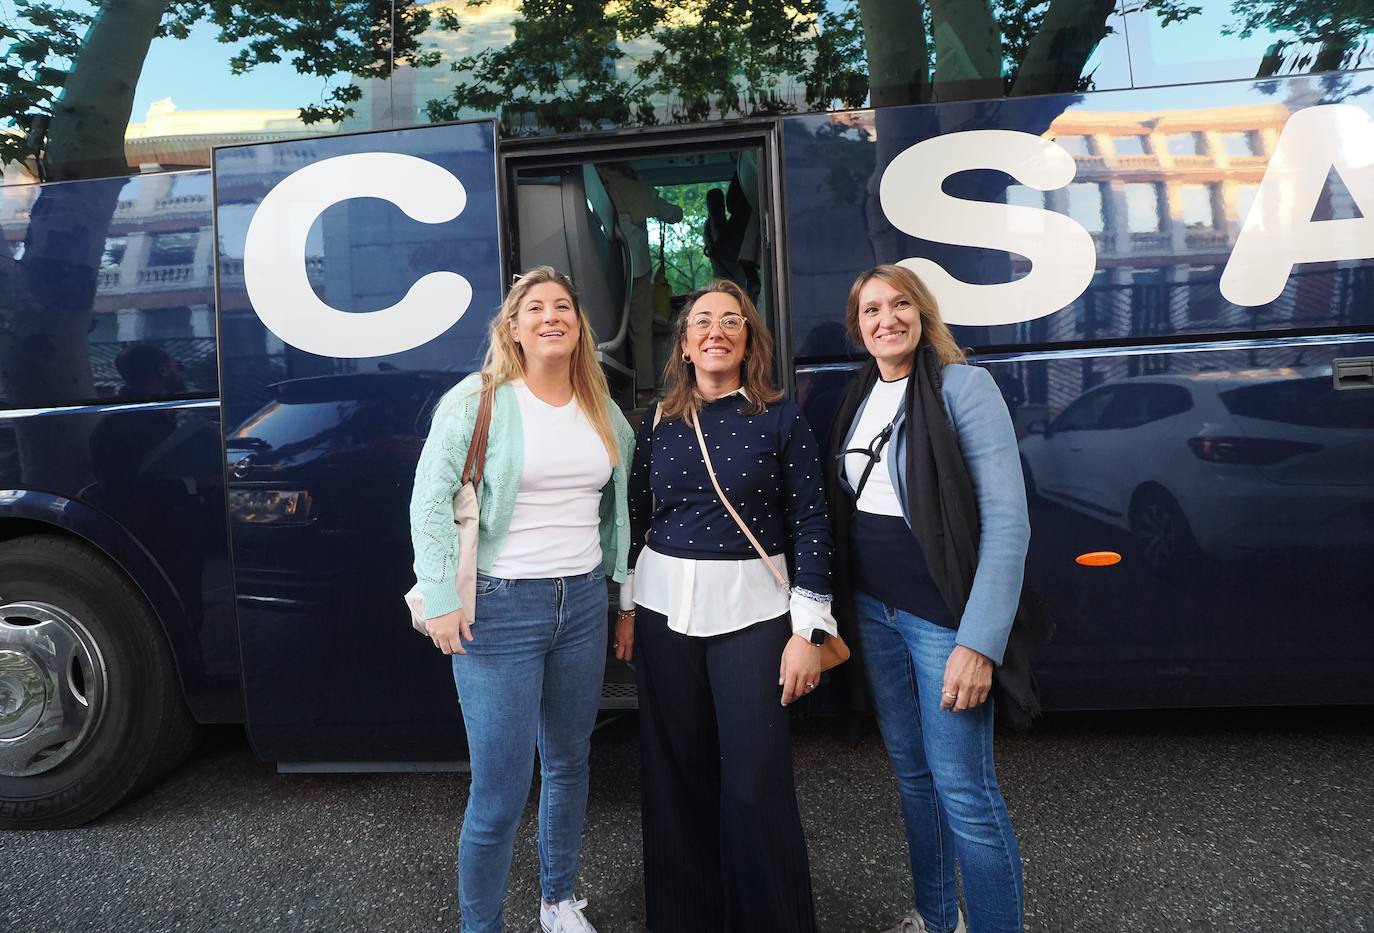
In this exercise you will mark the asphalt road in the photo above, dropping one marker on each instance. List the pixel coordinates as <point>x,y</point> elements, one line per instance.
<point>1208,821</point>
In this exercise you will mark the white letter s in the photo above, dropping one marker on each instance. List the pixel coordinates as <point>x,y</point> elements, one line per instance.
<point>274,256</point>
<point>1061,252</point>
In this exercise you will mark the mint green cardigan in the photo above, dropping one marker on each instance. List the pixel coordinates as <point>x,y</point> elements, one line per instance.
<point>437,477</point>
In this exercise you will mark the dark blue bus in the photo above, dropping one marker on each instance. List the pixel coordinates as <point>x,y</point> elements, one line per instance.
<point>220,342</point>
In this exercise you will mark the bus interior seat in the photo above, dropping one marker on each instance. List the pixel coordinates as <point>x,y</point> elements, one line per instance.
<point>561,224</point>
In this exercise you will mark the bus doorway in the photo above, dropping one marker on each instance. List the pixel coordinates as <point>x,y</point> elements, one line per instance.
<point>641,222</point>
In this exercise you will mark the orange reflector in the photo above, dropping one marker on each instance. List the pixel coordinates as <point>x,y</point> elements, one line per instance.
<point>1098,559</point>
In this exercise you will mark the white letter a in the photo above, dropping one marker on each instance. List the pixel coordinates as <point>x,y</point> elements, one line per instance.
<point>1279,231</point>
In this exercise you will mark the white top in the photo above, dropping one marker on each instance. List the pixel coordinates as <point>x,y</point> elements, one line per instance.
<point>878,496</point>
<point>713,597</point>
<point>555,530</point>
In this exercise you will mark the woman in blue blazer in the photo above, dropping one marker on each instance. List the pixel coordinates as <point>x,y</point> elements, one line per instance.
<point>931,536</point>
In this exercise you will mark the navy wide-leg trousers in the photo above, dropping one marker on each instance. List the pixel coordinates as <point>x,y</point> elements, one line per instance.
<point>724,850</point>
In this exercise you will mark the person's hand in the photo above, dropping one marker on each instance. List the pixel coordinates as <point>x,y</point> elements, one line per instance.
<point>800,670</point>
<point>625,635</point>
<point>968,680</point>
<point>449,630</point>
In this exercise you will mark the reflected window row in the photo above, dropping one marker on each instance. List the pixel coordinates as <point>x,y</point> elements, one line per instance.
<point>216,74</point>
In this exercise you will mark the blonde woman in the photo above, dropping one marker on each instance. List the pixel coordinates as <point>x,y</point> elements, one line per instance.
<point>720,647</point>
<point>931,534</point>
<point>529,657</point>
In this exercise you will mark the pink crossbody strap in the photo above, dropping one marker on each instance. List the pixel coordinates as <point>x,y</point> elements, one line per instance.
<point>710,471</point>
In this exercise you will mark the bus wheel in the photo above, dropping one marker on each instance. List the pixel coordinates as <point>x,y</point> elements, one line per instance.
<point>90,707</point>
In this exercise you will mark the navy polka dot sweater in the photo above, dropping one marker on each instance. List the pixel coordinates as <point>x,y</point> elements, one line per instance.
<point>766,464</point>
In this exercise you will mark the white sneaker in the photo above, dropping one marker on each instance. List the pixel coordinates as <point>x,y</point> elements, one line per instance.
<point>912,923</point>
<point>565,917</point>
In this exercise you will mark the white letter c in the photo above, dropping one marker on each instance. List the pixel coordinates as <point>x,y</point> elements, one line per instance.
<point>274,256</point>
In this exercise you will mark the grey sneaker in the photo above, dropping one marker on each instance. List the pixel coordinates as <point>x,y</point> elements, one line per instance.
<point>912,923</point>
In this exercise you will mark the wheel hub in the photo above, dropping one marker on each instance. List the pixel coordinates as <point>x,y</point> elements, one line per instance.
<point>52,687</point>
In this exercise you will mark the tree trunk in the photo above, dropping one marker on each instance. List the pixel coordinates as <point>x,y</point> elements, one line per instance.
<point>895,47</point>
<point>86,136</point>
<point>968,50</point>
<point>1061,48</point>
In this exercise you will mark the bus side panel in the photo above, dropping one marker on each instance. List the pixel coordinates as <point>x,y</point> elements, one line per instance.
<point>322,448</point>
<point>162,525</point>
<point>1235,485</point>
<point>1154,185</point>
<point>108,378</point>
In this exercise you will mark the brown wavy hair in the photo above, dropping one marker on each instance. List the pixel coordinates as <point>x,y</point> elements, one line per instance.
<point>505,359</point>
<point>756,371</point>
<point>934,330</point>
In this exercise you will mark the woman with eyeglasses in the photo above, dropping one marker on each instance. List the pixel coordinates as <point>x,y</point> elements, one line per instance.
<point>931,535</point>
<point>721,648</point>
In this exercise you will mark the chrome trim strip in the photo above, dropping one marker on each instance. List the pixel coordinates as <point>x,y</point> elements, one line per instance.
<point>274,601</point>
<point>1073,353</point>
<point>13,413</point>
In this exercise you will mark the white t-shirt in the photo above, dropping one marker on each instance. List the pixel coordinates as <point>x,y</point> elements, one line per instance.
<point>878,496</point>
<point>555,530</point>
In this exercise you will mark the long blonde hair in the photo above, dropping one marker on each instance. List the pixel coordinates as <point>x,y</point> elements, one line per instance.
<point>934,330</point>
<point>756,372</point>
<point>505,359</point>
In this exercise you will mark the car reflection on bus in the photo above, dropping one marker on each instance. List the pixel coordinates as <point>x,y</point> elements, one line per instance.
<point>1221,465</point>
<point>289,465</point>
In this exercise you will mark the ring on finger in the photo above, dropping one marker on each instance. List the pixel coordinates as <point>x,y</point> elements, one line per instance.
<point>952,696</point>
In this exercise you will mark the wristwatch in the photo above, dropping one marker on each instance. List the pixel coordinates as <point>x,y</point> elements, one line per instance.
<point>818,636</point>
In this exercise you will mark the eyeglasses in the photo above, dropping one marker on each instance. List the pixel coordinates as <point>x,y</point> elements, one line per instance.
<point>730,324</point>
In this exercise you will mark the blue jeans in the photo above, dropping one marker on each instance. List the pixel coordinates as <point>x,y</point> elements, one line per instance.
<point>951,803</point>
<point>531,678</point>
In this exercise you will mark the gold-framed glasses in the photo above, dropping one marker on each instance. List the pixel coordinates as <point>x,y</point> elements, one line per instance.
<point>729,324</point>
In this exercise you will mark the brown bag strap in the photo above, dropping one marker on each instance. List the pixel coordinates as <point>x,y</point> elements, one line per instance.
<point>711,472</point>
<point>481,430</point>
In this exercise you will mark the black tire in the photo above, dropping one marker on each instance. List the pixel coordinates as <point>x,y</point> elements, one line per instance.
<point>140,726</point>
<point>1162,533</point>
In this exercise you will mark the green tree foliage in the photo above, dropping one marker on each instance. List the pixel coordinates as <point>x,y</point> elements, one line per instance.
<point>79,69</point>
<point>567,68</point>
<point>682,245</point>
<point>1331,31</point>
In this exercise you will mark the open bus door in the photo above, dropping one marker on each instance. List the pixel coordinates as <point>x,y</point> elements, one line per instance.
<point>356,279</point>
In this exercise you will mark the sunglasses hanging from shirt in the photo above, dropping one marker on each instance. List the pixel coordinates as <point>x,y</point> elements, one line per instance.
<point>874,453</point>
<point>834,651</point>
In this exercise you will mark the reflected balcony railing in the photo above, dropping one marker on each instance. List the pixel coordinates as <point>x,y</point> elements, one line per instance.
<point>167,275</point>
<point>1144,242</point>
<point>1147,162</point>
<point>180,202</point>
<point>1206,239</point>
<point>1194,161</point>
<point>231,267</point>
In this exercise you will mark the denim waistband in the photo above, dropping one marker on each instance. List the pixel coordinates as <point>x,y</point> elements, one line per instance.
<point>593,575</point>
